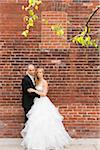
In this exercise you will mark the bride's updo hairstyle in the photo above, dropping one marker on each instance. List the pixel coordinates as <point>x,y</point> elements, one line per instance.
<point>37,79</point>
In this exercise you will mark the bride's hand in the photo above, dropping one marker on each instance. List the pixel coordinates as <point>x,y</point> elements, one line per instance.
<point>30,90</point>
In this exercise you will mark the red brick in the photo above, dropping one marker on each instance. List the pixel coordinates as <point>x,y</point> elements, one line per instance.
<point>71,71</point>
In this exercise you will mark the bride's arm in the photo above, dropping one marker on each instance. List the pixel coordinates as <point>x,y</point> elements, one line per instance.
<point>41,93</point>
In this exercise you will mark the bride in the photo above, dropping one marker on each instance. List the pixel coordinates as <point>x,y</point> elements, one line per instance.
<point>44,129</point>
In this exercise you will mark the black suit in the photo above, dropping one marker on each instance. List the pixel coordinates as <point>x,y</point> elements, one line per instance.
<point>27,98</point>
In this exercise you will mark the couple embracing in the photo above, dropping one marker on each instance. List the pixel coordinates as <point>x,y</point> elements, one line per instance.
<point>43,128</point>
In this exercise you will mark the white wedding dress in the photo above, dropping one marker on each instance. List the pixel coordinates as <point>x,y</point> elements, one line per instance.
<point>44,129</point>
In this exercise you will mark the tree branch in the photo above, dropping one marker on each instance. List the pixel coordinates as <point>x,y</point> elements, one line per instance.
<point>91,18</point>
<point>92,15</point>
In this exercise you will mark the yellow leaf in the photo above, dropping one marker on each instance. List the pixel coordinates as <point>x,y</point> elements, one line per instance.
<point>25,33</point>
<point>36,7</point>
<point>39,2</point>
<point>26,8</point>
<point>25,18</point>
<point>31,22</point>
<point>32,2</point>
<point>28,27</point>
<point>31,12</point>
<point>60,32</point>
<point>52,27</point>
<point>23,7</point>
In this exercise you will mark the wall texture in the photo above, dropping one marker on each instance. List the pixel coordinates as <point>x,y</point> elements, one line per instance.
<point>72,71</point>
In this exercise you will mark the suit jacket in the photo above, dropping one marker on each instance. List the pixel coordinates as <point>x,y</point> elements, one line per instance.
<point>28,98</point>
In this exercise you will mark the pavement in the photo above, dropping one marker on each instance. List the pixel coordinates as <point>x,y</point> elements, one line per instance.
<point>77,144</point>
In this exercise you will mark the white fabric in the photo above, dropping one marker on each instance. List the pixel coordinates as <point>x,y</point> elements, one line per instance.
<point>44,129</point>
<point>31,78</point>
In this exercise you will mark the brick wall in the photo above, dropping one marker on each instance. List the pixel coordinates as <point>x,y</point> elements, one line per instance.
<point>72,71</point>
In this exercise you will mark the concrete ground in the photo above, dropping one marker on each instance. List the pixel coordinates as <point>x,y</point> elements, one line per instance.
<point>77,144</point>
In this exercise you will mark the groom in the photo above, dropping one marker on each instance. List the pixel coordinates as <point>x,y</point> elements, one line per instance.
<point>28,82</point>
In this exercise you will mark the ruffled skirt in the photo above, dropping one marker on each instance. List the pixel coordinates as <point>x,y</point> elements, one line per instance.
<point>44,129</point>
